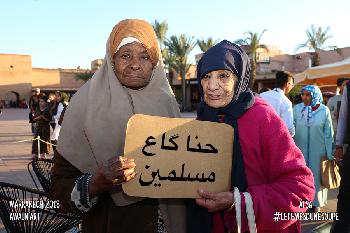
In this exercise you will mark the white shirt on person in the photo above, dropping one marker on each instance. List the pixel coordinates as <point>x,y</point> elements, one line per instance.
<point>59,111</point>
<point>282,105</point>
<point>56,131</point>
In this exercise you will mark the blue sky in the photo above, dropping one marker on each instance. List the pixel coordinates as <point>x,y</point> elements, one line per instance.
<point>72,33</point>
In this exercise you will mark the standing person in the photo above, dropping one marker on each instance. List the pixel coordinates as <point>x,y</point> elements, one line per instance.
<point>61,103</point>
<point>52,105</point>
<point>62,100</point>
<point>278,100</point>
<point>334,102</point>
<point>314,136</point>
<point>89,169</point>
<point>342,138</point>
<point>42,119</point>
<point>33,106</point>
<point>269,174</point>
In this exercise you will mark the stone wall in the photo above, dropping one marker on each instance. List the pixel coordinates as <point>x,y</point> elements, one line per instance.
<point>15,75</point>
<point>18,78</point>
<point>45,77</point>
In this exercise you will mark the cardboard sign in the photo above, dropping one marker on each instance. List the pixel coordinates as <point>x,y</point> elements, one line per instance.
<point>175,157</point>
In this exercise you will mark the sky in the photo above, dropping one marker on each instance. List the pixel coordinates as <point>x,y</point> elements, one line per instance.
<point>72,33</point>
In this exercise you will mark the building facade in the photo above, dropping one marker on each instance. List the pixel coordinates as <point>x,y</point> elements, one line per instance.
<point>18,78</point>
<point>275,61</point>
<point>269,62</point>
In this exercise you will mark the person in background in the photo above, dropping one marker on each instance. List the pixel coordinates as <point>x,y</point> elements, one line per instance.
<point>334,102</point>
<point>314,136</point>
<point>42,118</point>
<point>278,100</point>
<point>342,139</point>
<point>1,106</point>
<point>326,96</point>
<point>33,106</point>
<point>52,105</point>
<point>23,103</point>
<point>269,173</point>
<point>62,100</point>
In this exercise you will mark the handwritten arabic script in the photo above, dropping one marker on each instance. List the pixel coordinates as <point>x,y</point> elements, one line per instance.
<point>176,157</point>
<point>151,141</point>
<point>173,177</point>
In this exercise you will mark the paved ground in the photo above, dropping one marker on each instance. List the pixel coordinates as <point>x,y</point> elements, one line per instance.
<point>14,158</point>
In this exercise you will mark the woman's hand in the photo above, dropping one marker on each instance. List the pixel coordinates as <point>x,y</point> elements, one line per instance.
<point>215,202</point>
<point>118,171</point>
<point>338,154</point>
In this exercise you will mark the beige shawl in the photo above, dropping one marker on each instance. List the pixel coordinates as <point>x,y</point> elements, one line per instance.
<point>94,124</point>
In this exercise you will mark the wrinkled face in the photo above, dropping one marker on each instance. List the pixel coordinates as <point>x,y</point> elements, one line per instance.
<point>42,103</point>
<point>218,87</point>
<point>133,66</point>
<point>306,97</point>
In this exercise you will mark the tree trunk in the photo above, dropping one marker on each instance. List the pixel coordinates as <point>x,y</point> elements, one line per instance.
<point>315,59</point>
<point>183,78</point>
<point>252,74</point>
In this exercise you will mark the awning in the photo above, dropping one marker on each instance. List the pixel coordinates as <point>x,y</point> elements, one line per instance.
<point>325,74</point>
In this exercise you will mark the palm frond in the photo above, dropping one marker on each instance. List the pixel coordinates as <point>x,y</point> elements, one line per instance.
<point>160,29</point>
<point>300,46</point>
<point>241,42</point>
<point>204,45</point>
<point>316,38</point>
<point>179,47</point>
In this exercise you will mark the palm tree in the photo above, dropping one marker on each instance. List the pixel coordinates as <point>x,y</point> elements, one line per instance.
<point>169,60</point>
<point>179,48</point>
<point>204,45</point>
<point>316,38</point>
<point>160,29</point>
<point>252,41</point>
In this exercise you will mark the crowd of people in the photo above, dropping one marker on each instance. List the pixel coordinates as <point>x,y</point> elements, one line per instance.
<point>275,161</point>
<point>321,132</point>
<point>44,115</point>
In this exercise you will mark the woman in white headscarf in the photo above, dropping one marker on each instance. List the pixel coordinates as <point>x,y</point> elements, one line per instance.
<point>131,80</point>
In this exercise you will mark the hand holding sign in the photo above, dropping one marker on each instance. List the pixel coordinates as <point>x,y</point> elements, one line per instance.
<point>118,171</point>
<point>176,157</point>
